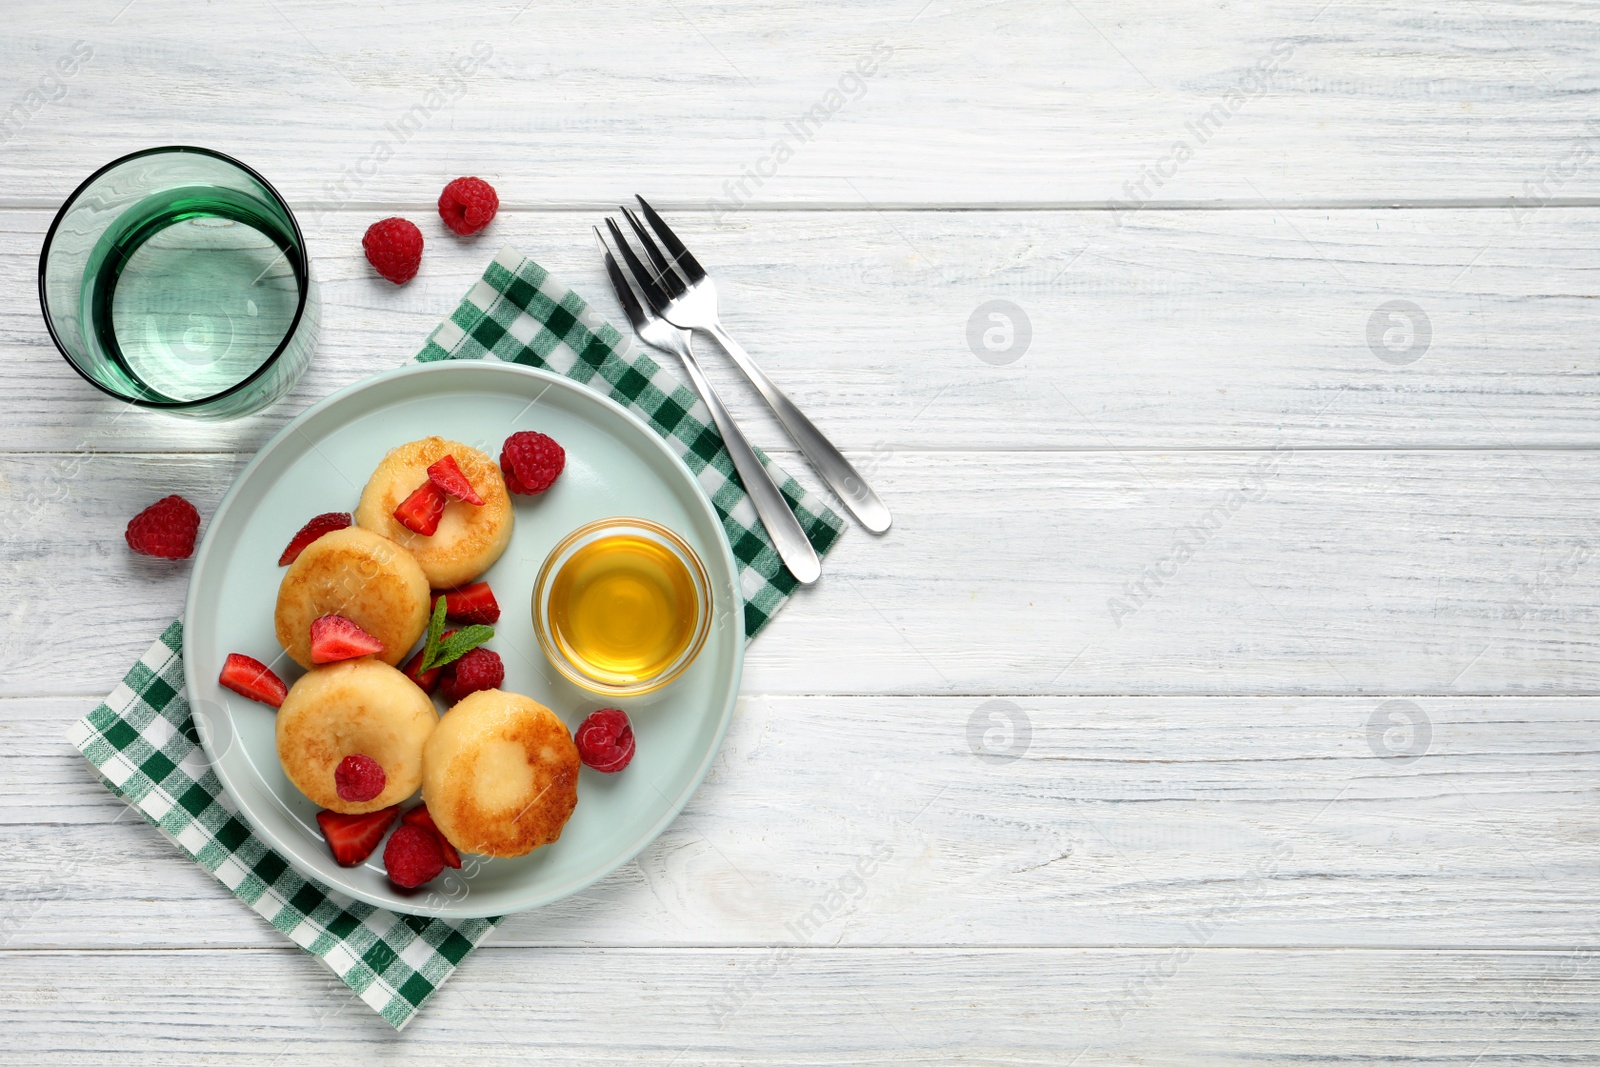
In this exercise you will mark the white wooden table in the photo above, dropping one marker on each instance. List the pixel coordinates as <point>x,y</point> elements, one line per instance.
<point>1227,687</point>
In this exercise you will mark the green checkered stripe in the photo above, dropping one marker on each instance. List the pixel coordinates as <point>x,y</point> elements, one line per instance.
<point>142,741</point>
<point>520,313</point>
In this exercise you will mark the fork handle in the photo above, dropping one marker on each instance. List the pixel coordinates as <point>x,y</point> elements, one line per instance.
<point>829,462</point>
<point>794,548</point>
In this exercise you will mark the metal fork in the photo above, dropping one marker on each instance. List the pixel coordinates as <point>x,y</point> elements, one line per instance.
<point>692,304</point>
<point>794,548</point>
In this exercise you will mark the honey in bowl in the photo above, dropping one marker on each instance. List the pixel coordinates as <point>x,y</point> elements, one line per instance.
<point>623,608</point>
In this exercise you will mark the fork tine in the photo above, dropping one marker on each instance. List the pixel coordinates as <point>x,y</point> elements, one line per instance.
<point>654,295</point>
<point>637,318</point>
<point>680,255</point>
<point>664,272</point>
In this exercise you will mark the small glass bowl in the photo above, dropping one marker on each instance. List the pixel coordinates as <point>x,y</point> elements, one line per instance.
<point>574,668</point>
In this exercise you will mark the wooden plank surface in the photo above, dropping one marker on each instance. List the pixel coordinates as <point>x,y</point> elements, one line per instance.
<point>1226,690</point>
<point>1296,571</point>
<point>1179,329</point>
<point>1349,101</point>
<point>1007,822</point>
<point>1109,1006</point>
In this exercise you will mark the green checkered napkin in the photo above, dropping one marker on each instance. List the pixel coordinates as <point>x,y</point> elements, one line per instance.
<point>143,742</point>
<point>142,739</point>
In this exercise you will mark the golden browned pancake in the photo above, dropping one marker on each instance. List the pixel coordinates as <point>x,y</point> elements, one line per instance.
<point>500,774</point>
<point>469,538</point>
<point>368,579</point>
<point>358,707</point>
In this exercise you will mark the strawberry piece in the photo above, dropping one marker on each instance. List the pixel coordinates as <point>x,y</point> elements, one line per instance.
<point>470,603</point>
<point>334,637</point>
<point>446,474</point>
<point>323,524</point>
<point>413,856</point>
<point>427,681</point>
<point>359,778</point>
<point>420,511</point>
<point>418,816</point>
<point>353,837</point>
<point>254,679</point>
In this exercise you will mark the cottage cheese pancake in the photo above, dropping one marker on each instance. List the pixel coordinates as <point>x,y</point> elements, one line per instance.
<point>500,774</point>
<point>368,579</point>
<point>469,537</point>
<point>358,707</point>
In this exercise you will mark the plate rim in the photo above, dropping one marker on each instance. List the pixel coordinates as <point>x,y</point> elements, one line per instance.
<point>461,909</point>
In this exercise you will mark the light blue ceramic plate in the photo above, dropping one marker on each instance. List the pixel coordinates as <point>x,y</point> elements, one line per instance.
<point>320,462</point>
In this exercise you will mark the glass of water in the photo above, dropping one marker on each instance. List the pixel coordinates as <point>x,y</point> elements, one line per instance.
<point>177,279</point>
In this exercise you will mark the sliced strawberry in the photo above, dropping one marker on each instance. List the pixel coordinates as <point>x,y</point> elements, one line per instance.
<point>418,816</point>
<point>325,523</point>
<point>470,603</point>
<point>446,474</point>
<point>420,511</point>
<point>252,678</point>
<point>334,637</point>
<point>352,838</point>
<point>427,681</point>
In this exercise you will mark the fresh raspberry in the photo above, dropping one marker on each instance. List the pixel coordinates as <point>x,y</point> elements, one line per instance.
<point>467,205</point>
<point>513,486</point>
<point>605,741</point>
<point>413,856</point>
<point>359,778</point>
<point>394,248</point>
<point>531,461</point>
<point>479,669</point>
<point>418,816</point>
<point>165,529</point>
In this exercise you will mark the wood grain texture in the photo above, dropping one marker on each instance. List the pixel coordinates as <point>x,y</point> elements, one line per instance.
<point>1119,1006</point>
<point>1050,822</point>
<point>1176,329</point>
<point>1364,101</point>
<point>1225,691</point>
<point>1294,571</point>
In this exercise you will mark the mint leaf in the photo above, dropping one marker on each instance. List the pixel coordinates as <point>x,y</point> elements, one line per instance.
<point>456,645</point>
<point>430,647</point>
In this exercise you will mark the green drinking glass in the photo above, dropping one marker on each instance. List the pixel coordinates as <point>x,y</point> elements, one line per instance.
<point>177,279</point>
